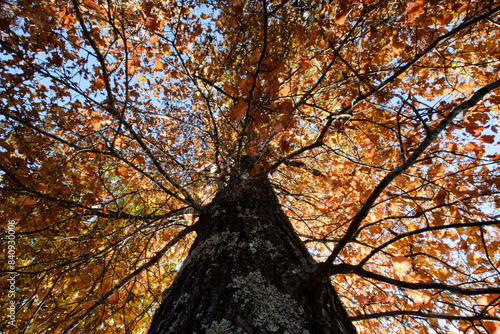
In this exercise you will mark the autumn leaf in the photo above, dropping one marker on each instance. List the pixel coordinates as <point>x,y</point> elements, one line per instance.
<point>123,171</point>
<point>439,198</point>
<point>487,301</point>
<point>158,65</point>
<point>436,172</point>
<point>415,9</point>
<point>139,140</point>
<point>492,327</point>
<point>57,60</point>
<point>342,10</point>
<point>420,298</point>
<point>487,139</point>
<point>92,5</point>
<point>238,110</point>
<point>400,265</point>
<point>113,299</point>
<point>141,79</point>
<point>466,87</point>
<point>27,201</point>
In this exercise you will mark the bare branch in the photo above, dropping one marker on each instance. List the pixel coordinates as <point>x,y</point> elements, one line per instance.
<point>131,276</point>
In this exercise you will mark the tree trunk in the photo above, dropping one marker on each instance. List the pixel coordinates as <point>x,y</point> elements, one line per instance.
<point>248,272</point>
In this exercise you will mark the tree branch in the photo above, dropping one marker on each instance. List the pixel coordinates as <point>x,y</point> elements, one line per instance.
<point>351,269</point>
<point>423,230</point>
<point>422,314</point>
<point>127,279</point>
<point>386,181</point>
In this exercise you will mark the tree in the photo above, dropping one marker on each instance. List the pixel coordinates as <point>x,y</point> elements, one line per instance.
<point>300,165</point>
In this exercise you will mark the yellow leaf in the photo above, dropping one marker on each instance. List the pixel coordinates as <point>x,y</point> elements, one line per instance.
<point>401,264</point>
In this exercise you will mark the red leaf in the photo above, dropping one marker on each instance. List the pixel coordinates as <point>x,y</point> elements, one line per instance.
<point>487,139</point>
<point>238,110</point>
<point>285,107</point>
<point>56,59</point>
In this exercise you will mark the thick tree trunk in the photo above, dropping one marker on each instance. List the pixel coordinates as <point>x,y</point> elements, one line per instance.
<point>247,272</point>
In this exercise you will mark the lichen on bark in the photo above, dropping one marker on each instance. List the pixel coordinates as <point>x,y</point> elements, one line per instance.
<point>270,308</point>
<point>247,273</point>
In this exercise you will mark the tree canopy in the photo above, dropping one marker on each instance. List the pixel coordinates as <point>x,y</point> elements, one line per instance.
<point>376,121</point>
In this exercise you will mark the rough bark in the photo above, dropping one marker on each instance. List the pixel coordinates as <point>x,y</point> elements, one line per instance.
<point>247,272</point>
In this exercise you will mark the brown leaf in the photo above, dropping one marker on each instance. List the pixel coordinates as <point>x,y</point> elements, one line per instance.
<point>415,9</point>
<point>487,139</point>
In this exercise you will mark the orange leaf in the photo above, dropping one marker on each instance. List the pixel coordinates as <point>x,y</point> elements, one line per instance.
<point>401,264</point>
<point>123,171</point>
<point>492,327</point>
<point>438,199</point>
<point>113,299</point>
<point>466,87</point>
<point>228,89</point>
<point>474,129</point>
<point>285,107</point>
<point>158,66</point>
<point>423,277</point>
<point>420,298</point>
<point>91,4</point>
<point>386,299</point>
<point>486,300</point>
<point>415,9</point>
<point>340,18</point>
<point>436,172</point>
<point>342,12</point>
<point>444,19</point>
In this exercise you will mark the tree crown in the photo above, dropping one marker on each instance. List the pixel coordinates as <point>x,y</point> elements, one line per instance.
<point>375,121</point>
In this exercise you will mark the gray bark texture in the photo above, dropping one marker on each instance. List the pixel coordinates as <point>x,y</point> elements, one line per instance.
<point>248,272</point>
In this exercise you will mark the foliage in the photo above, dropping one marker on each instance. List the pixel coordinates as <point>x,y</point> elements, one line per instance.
<point>376,121</point>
